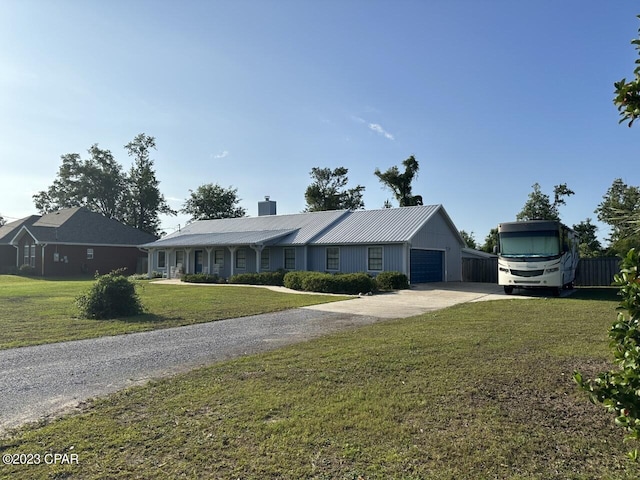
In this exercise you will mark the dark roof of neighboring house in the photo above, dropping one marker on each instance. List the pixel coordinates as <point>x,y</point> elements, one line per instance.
<point>9,230</point>
<point>77,226</point>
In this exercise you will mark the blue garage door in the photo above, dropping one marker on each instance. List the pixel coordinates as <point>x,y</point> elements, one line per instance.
<point>427,266</point>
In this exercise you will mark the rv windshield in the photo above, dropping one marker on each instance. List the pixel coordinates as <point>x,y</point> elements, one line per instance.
<point>541,244</point>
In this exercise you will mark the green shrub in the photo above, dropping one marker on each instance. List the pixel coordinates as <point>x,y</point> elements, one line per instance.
<point>27,270</point>
<point>618,389</point>
<point>347,283</point>
<point>293,280</point>
<point>112,295</point>
<point>392,281</point>
<point>201,278</point>
<point>263,278</point>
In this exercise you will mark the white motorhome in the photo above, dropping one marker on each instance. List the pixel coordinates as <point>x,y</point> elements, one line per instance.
<point>536,254</point>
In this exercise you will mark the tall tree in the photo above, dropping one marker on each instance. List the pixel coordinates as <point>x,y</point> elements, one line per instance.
<point>211,201</point>
<point>328,191</point>
<point>400,183</point>
<point>620,209</point>
<point>143,201</point>
<point>105,183</point>
<point>589,245</point>
<point>96,183</point>
<point>490,241</point>
<point>539,207</point>
<point>468,239</point>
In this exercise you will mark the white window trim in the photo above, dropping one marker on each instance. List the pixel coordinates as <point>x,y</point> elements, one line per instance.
<point>216,252</point>
<point>164,262</point>
<point>326,259</point>
<point>176,258</point>
<point>284,258</point>
<point>242,251</point>
<point>369,269</point>
<point>268,267</point>
<point>89,253</point>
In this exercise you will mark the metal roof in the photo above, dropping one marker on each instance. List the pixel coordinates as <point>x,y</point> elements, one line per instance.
<point>337,227</point>
<point>389,225</point>
<point>301,227</point>
<point>220,239</point>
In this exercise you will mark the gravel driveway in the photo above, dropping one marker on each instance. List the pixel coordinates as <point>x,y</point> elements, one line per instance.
<point>44,380</point>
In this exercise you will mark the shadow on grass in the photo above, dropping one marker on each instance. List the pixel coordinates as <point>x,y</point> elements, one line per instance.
<point>146,318</point>
<point>608,294</point>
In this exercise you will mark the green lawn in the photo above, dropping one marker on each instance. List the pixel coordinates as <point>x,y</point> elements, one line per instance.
<point>477,391</point>
<point>35,311</point>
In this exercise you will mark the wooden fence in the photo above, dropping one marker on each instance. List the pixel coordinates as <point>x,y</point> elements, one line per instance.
<point>597,272</point>
<point>483,270</point>
<point>592,272</point>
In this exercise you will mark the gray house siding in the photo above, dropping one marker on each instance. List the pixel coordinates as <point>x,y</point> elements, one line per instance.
<point>354,258</point>
<point>301,242</point>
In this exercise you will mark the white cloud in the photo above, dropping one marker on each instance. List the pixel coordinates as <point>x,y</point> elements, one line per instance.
<point>378,129</point>
<point>221,155</point>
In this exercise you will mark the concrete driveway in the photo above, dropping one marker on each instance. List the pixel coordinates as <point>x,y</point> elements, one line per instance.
<point>419,299</point>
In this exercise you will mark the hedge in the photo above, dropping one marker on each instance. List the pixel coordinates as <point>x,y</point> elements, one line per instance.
<point>201,278</point>
<point>392,281</point>
<point>263,278</point>
<point>346,283</point>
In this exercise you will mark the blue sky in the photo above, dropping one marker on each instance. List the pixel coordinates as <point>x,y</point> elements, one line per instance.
<point>489,95</point>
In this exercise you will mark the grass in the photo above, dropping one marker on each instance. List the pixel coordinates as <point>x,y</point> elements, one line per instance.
<point>36,311</point>
<point>477,391</point>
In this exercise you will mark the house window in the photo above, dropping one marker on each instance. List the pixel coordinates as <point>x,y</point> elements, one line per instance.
<point>179,258</point>
<point>162,259</point>
<point>374,261</point>
<point>26,255</point>
<point>333,258</point>
<point>89,253</point>
<point>241,259</point>
<point>265,259</point>
<point>218,257</point>
<point>290,258</point>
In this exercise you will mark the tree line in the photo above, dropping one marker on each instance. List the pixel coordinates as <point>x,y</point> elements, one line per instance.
<point>618,209</point>
<point>99,183</point>
<point>133,197</point>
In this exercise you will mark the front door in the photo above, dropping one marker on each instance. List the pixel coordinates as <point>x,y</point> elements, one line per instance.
<point>198,260</point>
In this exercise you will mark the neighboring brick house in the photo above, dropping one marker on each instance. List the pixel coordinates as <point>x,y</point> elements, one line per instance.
<point>73,241</point>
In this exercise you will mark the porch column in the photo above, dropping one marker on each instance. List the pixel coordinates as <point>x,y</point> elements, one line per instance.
<point>209,250</point>
<point>187,260</point>
<point>233,259</point>
<point>258,249</point>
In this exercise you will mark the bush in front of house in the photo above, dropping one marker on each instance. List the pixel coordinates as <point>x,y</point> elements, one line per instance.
<point>392,281</point>
<point>201,278</point>
<point>112,295</point>
<point>27,270</point>
<point>346,283</point>
<point>293,280</point>
<point>263,278</point>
